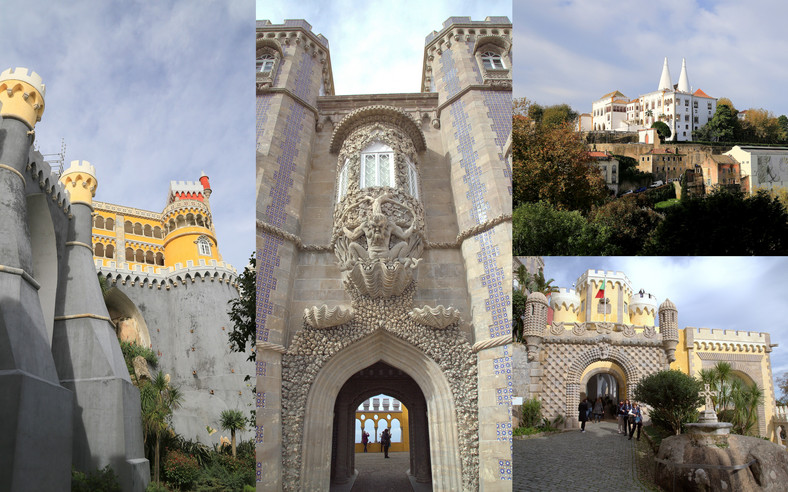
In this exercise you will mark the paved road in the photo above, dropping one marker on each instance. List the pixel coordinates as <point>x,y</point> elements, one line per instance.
<point>378,474</point>
<point>598,460</point>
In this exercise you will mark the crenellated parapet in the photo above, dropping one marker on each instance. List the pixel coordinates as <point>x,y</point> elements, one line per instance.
<point>22,95</point>
<point>48,182</point>
<point>151,276</point>
<point>642,308</point>
<point>719,340</point>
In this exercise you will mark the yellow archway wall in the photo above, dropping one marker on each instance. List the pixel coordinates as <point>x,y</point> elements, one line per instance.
<point>374,447</point>
<point>603,366</point>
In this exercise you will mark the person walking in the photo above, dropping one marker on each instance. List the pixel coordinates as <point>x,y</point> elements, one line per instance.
<point>385,441</point>
<point>621,414</point>
<point>599,410</point>
<point>627,423</point>
<point>365,439</point>
<point>637,420</point>
<point>582,411</point>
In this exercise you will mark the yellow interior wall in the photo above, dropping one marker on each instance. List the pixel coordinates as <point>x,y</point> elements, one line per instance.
<point>374,447</point>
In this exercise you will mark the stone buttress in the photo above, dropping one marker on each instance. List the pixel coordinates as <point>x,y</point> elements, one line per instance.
<point>107,421</point>
<point>35,411</point>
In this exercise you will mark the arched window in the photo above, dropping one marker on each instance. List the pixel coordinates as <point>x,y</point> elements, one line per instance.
<point>342,182</point>
<point>109,252</point>
<point>138,228</point>
<point>492,60</point>
<point>147,230</point>
<point>139,257</point>
<point>159,259</point>
<point>157,232</point>
<point>98,249</point>
<point>149,257</point>
<point>128,227</point>
<point>204,246</point>
<point>129,254</point>
<point>98,223</point>
<point>377,165</point>
<point>265,63</point>
<point>109,224</point>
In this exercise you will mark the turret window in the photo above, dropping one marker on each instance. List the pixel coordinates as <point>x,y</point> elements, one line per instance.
<point>265,64</point>
<point>204,246</point>
<point>492,60</point>
<point>377,166</point>
<point>413,183</point>
<point>342,182</point>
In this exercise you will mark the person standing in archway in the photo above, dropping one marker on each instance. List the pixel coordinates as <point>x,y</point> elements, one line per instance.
<point>637,420</point>
<point>365,439</point>
<point>598,410</point>
<point>582,410</point>
<point>385,441</point>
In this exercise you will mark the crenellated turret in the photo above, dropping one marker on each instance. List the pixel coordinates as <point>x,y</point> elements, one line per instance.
<point>566,305</point>
<point>80,182</point>
<point>188,224</point>
<point>642,309</point>
<point>22,95</point>
<point>669,328</point>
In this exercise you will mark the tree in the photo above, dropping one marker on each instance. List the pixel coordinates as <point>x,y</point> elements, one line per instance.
<point>723,223</point>
<point>734,401</point>
<point>541,229</point>
<point>557,115</point>
<point>673,396</point>
<point>663,129</point>
<point>629,225</point>
<point>782,385</point>
<point>761,126</point>
<point>243,311</point>
<point>159,400</point>
<point>232,420</point>
<point>723,127</point>
<point>724,101</point>
<point>552,164</point>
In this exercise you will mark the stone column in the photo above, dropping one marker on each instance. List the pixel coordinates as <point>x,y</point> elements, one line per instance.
<point>35,411</point>
<point>419,443</point>
<point>107,423</point>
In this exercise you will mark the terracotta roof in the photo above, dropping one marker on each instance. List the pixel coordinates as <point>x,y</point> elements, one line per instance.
<point>723,159</point>
<point>700,93</point>
<point>613,94</point>
<point>598,154</point>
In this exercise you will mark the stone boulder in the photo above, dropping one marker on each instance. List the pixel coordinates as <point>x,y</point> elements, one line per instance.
<point>769,472</point>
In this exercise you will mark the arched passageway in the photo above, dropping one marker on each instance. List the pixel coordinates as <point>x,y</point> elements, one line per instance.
<point>440,430</point>
<point>373,380</point>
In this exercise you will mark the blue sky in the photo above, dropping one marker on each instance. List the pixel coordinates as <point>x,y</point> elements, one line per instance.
<point>575,51</point>
<point>148,92</point>
<point>732,293</point>
<point>377,47</point>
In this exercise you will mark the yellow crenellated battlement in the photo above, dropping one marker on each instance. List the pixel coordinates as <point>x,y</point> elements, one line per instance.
<point>22,95</point>
<point>80,181</point>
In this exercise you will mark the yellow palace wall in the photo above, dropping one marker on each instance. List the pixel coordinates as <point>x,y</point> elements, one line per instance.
<point>374,447</point>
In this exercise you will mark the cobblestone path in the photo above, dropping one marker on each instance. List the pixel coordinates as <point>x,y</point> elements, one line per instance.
<point>377,474</point>
<point>598,460</point>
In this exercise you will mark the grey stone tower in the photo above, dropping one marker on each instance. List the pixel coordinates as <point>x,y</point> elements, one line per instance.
<point>294,68</point>
<point>35,411</point>
<point>469,64</point>
<point>669,328</point>
<point>107,423</point>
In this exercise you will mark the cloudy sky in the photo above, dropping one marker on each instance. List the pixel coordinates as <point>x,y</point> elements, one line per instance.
<point>731,293</point>
<point>148,92</point>
<point>574,51</point>
<point>377,47</point>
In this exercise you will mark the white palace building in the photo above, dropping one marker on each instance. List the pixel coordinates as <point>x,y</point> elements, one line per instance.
<point>682,109</point>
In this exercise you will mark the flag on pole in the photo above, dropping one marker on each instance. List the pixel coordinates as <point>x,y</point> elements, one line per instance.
<point>601,293</point>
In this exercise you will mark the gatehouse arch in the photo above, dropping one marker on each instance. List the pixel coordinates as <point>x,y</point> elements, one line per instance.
<point>601,358</point>
<point>381,346</point>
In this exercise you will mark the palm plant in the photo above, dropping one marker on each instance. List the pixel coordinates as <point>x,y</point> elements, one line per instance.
<point>159,400</point>
<point>232,420</point>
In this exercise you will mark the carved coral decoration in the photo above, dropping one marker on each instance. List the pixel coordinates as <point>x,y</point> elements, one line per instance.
<point>557,328</point>
<point>579,329</point>
<point>325,317</point>
<point>437,317</point>
<point>376,278</point>
<point>649,331</point>
<point>628,331</point>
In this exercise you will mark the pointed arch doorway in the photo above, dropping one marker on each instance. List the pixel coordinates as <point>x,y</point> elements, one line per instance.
<point>377,378</point>
<point>317,441</point>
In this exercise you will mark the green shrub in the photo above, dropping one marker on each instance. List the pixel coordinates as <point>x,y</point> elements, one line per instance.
<point>217,478</point>
<point>131,350</point>
<point>673,397</point>
<point>181,469</point>
<point>103,480</point>
<point>156,487</point>
<point>532,413</point>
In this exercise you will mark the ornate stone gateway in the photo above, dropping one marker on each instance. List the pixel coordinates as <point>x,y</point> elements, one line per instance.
<point>384,227</point>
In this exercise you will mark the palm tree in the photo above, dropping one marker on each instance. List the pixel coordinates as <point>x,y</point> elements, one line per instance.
<point>232,420</point>
<point>159,400</point>
<point>724,372</point>
<point>539,284</point>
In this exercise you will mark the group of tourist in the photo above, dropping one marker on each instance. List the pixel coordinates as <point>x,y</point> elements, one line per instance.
<point>629,418</point>
<point>628,414</point>
<point>385,441</point>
